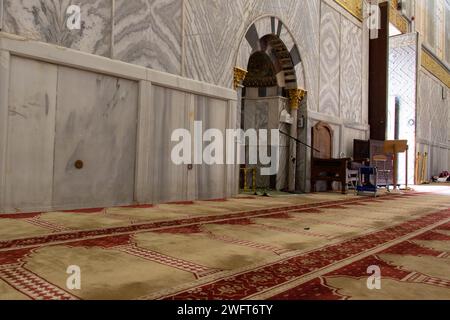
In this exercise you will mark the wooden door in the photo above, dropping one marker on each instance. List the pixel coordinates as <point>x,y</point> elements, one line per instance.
<point>322,137</point>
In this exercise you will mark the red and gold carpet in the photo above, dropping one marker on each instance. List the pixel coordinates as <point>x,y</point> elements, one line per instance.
<point>316,246</point>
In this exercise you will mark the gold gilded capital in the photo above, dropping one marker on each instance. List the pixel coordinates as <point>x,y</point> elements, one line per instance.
<point>239,76</point>
<point>295,97</point>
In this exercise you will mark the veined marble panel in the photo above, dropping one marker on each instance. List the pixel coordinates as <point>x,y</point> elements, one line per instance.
<point>96,123</point>
<point>330,45</point>
<point>304,21</point>
<point>211,179</point>
<point>169,112</point>
<point>432,122</point>
<point>432,110</point>
<point>351,72</point>
<point>211,51</point>
<point>148,33</point>
<point>45,20</point>
<point>1,13</point>
<point>31,134</point>
<point>213,31</point>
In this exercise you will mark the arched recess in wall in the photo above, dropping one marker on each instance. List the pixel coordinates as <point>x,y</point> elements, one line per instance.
<point>269,67</point>
<point>267,33</point>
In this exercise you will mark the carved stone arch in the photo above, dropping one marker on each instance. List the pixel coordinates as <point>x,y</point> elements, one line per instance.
<point>269,34</point>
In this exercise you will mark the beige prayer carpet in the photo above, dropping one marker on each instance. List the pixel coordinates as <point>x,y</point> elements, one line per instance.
<point>315,246</point>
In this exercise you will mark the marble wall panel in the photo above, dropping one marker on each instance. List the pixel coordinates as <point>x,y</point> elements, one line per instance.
<point>432,121</point>
<point>45,20</point>
<point>1,13</point>
<point>214,30</point>
<point>304,22</point>
<point>351,72</point>
<point>403,85</point>
<point>349,135</point>
<point>232,181</point>
<point>148,33</point>
<point>31,132</point>
<point>211,180</point>
<point>96,123</point>
<point>432,110</point>
<point>170,112</point>
<point>330,45</point>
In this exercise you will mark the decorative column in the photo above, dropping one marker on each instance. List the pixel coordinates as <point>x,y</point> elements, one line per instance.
<point>239,76</point>
<point>295,96</point>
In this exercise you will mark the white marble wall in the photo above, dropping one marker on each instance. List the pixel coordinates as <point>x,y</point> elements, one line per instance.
<point>351,72</point>
<point>95,123</point>
<point>215,29</point>
<point>57,116</point>
<point>433,122</point>
<point>148,33</point>
<point>200,39</point>
<point>30,135</point>
<point>120,127</point>
<point>210,181</point>
<point>403,84</point>
<point>170,111</point>
<point>343,84</point>
<point>45,20</point>
<point>330,61</point>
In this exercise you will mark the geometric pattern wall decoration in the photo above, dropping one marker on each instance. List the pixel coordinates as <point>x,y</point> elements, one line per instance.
<point>159,44</point>
<point>212,29</point>
<point>351,72</point>
<point>215,29</point>
<point>402,86</point>
<point>330,43</point>
<point>432,111</point>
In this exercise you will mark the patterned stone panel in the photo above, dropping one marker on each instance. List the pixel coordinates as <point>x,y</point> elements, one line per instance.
<point>148,33</point>
<point>432,123</point>
<point>214,30</point>
<point>45,20</point>
<point>304,22</point>
<point>432,110</point>
<point>329,61</point>
<point>351,72</point>
<point>402,84</point>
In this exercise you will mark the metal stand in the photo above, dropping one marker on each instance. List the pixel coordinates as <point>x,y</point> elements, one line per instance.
<point>366,176</point>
